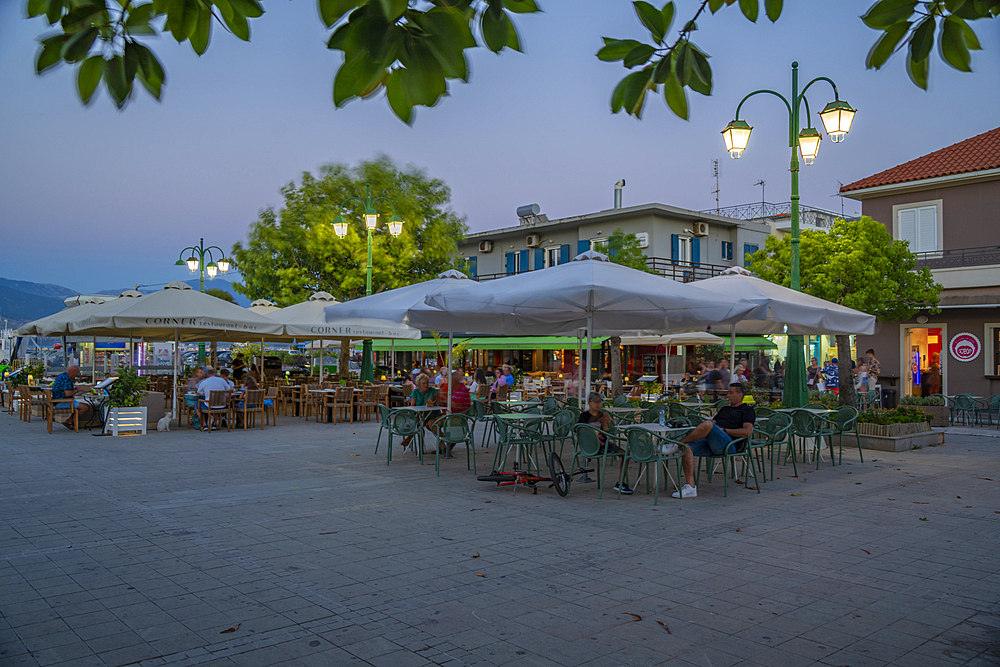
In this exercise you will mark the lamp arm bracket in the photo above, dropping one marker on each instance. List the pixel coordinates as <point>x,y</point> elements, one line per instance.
<point>836,93</point>
<point>769,92</point>
<point>350,199</point>
<point>386,201</point>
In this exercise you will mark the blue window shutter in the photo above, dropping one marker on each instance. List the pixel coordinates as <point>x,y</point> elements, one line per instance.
<point>582,247</point>
<point>473,261</point>
<point>510,263</point>
<point>524,265</point>
<point>675,243</point>
<point>564,253</point>
<point>696,251</point>
<point>748,249</point>
<point>539,258</point>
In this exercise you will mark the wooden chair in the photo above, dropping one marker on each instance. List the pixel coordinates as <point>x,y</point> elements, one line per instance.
<point>343,400</point>
<point>249,407</point>
<point>383,395</point>
<point>218,405</point>
<point>369,401</point>
<point>62,406</point>
<point>271,406</point>
<point>301,399</point>
<point>31,398</point>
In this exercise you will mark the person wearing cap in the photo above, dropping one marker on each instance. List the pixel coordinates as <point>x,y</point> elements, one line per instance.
<point>594,414</point>
<point>831,375</point>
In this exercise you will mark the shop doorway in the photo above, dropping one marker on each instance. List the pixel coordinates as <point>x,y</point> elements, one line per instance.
<point>923,373</point>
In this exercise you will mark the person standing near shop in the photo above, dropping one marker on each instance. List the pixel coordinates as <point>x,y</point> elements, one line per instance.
<point>874,369</point>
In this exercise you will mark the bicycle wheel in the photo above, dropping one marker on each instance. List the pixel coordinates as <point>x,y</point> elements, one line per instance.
<point>560,479</point>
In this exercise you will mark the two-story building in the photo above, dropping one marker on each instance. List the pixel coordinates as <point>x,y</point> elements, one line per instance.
<point>678,243</point>
<point>946,205</point>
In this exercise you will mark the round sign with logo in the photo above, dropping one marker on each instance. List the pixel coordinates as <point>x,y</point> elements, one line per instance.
<point>965,347</point>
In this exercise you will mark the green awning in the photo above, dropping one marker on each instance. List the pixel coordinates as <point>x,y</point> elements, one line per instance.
<point>487,343</point>
<point>751,343</point>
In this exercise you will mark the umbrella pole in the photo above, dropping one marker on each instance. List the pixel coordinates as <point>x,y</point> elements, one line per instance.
<point>176,354</point>
<point>451,389</point>
<point>579,367</point>
<point>586,394</point>
<point>732,351</point>
<point>392,361</point>
<point>65,354</point>
<point>93,362</point>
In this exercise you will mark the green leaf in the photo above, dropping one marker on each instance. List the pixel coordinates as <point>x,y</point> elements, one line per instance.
<point>635,91</point>
<point>36,7</point>
<point>331,11</point>
<point>250,8</point>
<point>392,10</point>
<point>182,18</point>
<point>701,81</point>
<point>50,54</point>
<point>668,16</point>
<point>773,9</point>
<point>450,24</point>
<point>616,49</point>
<point>917,69</point>
<point>78,45</point>
<point>202,31</point>
<point>424,81</point>
<point>922,39</point>
<point>750,9</point>
<point>683,63</point>
<point>675,96</point>
<point>496,30</point>
<point>83,17</point>
<point>650,17</point>
<point>639,55</point>
<point>970,37</point>
<point>131,58</point>
<point>55,10</point>
<point>521,6</point>
<point>885,13</point>
<point>396,96</point>
<point>952,44</point>
<point>886,45</point>
<point>150,71</point>
<point>661,70</point>
<point>114,79</point>
<point>224,6</point>
<point>450,56</point>
<point>88,76</point>
<point>618,95</point>
<point>238,25</point>
<point>715,5</point>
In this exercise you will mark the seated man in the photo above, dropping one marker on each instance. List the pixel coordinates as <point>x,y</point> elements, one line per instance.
<point>212,382</point>
<point>713,437</point>
<point>63,392</point>
<point>224,374</point>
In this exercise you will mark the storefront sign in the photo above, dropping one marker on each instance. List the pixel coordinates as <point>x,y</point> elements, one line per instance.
<point>965,347</point>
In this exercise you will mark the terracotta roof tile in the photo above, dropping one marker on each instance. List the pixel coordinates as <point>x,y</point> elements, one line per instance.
<point>975,154</point>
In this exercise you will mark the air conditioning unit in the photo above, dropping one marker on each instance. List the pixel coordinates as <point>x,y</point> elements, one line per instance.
<point>486,246</point>
<point>701,229</point>
<point>533,240</point>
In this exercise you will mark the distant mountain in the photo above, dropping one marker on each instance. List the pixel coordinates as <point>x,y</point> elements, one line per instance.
<point>38,289</point>
<point>19,307</point>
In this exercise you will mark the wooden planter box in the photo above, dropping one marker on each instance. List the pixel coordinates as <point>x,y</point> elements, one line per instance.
<point>893,430</point>
<point>124,420</point>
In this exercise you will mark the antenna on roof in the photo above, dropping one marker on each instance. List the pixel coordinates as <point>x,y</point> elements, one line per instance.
<point>761,183</point>
<point>715,170</point>
<point>839,194</point>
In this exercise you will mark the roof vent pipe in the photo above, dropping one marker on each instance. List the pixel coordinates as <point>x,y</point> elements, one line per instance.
<point>618,193</point>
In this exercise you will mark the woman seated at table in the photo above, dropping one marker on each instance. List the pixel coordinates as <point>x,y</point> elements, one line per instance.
<point>250,382</point>
<point>423,394</point>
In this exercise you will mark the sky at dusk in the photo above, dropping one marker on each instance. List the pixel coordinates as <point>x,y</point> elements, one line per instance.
<point>92,198</point>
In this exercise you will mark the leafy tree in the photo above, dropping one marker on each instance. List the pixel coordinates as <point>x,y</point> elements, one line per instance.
<point>293,252</point>
<point>621,248</point>
<point>220,294</point>
<point>858,265</point>
<point>412,49</point>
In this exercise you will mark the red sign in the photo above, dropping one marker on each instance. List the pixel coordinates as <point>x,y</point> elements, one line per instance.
<point>965,347</point>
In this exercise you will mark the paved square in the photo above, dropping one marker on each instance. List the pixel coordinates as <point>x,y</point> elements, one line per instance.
<point>297,546</point>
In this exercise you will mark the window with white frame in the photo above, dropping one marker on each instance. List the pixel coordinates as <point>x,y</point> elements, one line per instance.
<point>684,249</point>
<point>919,225</point>
<point>551,256</point>
<point>991,343</point>
<point>595,244</point>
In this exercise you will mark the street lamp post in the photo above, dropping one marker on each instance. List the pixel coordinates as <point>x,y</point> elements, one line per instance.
<point>837,117</point>
<point>395,225</point>
<point>196,262</point>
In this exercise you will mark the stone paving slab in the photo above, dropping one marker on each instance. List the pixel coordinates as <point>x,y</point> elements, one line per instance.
<point>297,545</point>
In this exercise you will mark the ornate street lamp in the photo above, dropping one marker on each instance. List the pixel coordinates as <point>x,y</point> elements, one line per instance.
<point>196,262</point>
<point>837,117</point>
<point>395,225</point>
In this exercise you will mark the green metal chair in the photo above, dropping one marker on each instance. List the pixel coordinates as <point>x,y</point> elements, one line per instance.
<point>989,406</point>
<point>384,418</point>
<point>589,446</point>
<point>676,411</point>
<point>807,425</point>
<point>845,420</point>
<point>737,449</point>
<point>562,430</point>
<point>480,414</point>
<point>816,406</point>
<point>550,405</point>
<point>643,447</point>
<point>964,407</point>
<point>768,434</point>
<point>454,429</point>
<point>407,423</point>
<point>651,414</point>
<point>620,401</point>
<point>573,403</point>
<point>526,437</point>
<point>949,402</point>
<point>764,412</point>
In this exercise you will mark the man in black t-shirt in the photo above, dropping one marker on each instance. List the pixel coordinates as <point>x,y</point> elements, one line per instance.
<point>713,436</point>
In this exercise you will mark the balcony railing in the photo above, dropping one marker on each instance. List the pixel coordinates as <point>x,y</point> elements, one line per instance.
<point>943,259</point>
<point>684,272</point>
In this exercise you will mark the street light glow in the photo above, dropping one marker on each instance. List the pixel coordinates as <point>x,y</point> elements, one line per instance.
<point>340,226</point>
<point>809,140</point>
<point>736,136</point>
<point>837,118</point>
<point>371,219</point>
<point>395,225</point>
<point>192,263</point>
<point>223,265</point>
<point>211,269</point>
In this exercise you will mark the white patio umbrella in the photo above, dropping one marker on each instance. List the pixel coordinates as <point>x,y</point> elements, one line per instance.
<point>176,312</point>
<point>785,310</point>
<point>391,311</point>
<point>590,292</point>
<point>263,307</point>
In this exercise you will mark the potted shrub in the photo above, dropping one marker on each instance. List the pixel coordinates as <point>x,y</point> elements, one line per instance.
<point>902,428</point>
<point>935,406</point>
<point>124,397</point>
